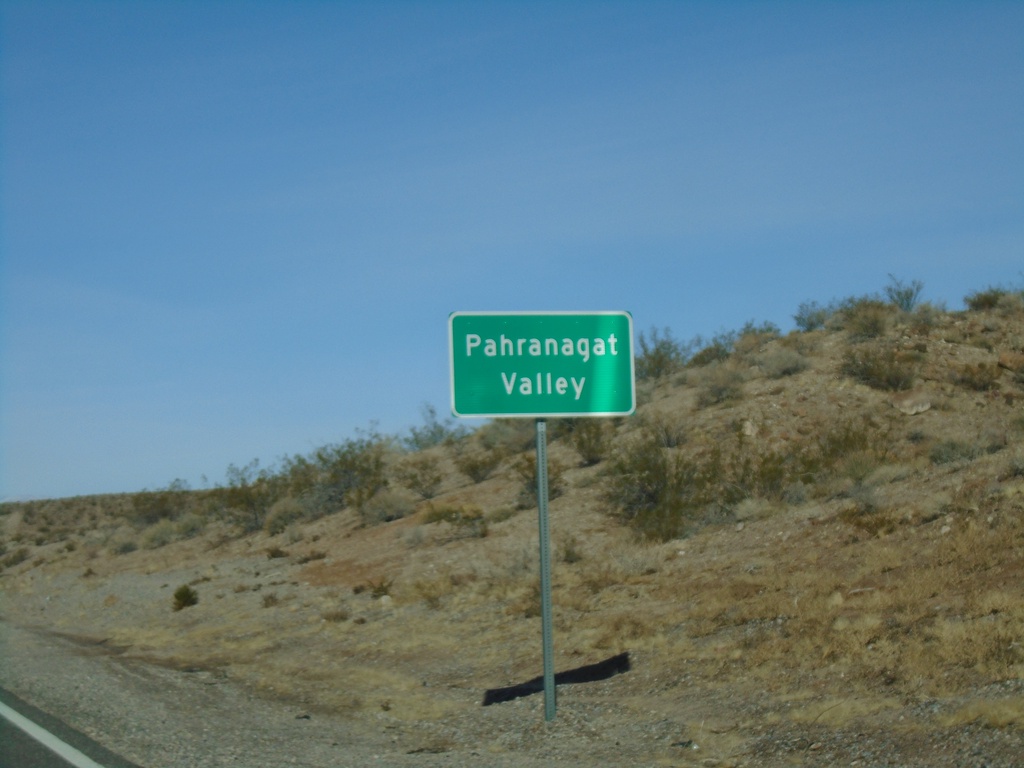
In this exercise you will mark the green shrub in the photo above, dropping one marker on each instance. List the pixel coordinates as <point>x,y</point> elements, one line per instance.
<point>660,355</point>
<point>421,474</point>
<point>953,450</point>
<point>811,316</point>
<point>880,367</point>
<point>467,521</point>
<point>184,597</point>
<point>980,377</point>
<point>781,362</point>
<point>525,466</point>
<point>719,384</point>
<point>433,432</point>
<point>283,513</point>
<point>159,535</point>
<point>478,464</point>
<point>903,296</point>
<point>866,318</point>
<point>385,507</point>
<point>591,438</point>
<point>987,299</point>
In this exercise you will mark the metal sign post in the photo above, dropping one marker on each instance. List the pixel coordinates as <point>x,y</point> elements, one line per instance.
<point>542,365</point>
<point>545,571</point>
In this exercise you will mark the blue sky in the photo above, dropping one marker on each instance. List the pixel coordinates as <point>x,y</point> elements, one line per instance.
<point>236,230</point>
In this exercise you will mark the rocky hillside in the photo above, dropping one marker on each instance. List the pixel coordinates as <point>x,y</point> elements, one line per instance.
<point>810,546</point>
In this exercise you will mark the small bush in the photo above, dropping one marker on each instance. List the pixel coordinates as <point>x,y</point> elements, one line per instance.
<point>952,450</point>
<point>781,362</point>
<point>385,507</point>
<point>466,521</point>
<point>433,432</point>
<point>812,316</point>
<point>276,553</point>
<point>283,513</point>
<point>719,384</point>
<point>660,355</point>
<point>525,467</point>
<point>866,318</point>
<point>980,377</point>
<point>184,596</point>
<point>159,535</point>
<point>880,368</point>
<point>478,464</point>
<point>903,296</point>
<point>982,300</point>
<point>591,438</point>
<point>421,474</point>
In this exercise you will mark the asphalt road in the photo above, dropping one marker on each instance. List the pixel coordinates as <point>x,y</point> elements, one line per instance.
<point>19,749</point>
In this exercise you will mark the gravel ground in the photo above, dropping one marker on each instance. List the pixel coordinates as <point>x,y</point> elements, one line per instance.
<point>165,718</point>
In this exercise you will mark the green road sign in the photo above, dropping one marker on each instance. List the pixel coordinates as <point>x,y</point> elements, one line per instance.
<point>541,364</point>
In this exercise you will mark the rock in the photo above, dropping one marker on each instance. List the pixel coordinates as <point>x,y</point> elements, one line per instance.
<point>911,403</point>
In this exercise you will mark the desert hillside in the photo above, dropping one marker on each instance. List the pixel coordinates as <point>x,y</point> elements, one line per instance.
<point>811,547</point>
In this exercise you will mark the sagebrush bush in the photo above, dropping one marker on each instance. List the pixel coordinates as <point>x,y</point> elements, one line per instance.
<point>980,377</point>
<point>421,474</point>
<point>525,466</point>
<point>283,513</point>
<point>477,463</point>
<point>386,506</point>
<point>467,521</point>
<point>986,299</point>
<point>866,318</point>
<point>659,355</point>
<point>782,361</point>
<point>591,438</point>
<point>812,316</point>
<point>719,384</point>
<point>903,296</point>
<point>664,493</point>
<point>184,597</point>
<point>881,367</point>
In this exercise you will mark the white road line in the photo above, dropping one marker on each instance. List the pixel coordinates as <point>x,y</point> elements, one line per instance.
<point>47,739</point>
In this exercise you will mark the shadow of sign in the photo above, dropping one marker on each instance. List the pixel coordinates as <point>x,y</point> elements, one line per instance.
<point>589,673</point>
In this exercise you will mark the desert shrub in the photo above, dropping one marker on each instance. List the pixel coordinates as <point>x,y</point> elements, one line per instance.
<point>987,299</point>
<point>752,337</point>
<point>421,474</point>
<point>952,450</point>
<point>866,318</point>
<point>880,367</point>
<point>659,355</point>
<point>507,436</point>
<point>189,525</point>
<point>781,362</point>
<point>663,493</point>
<point>158,535</point>
<point>276,553</point>
<point>903,296</point>
<point>525,466</point>
<point>714,351</point>
<point>467,521</point>
<point>184,597</point>
<point>149,507</point>
<point>980,377</point>
<point>666,429</point>
<point>249,493</point>
<point>477,463</point>
<point>812,316</point>
<point>377,588</point>
<point>283,513</point>
<point>433,432</point>
<point>719,384</point>
<point>591,438</point>
<point>17,557</point>
<point>386,506</point>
